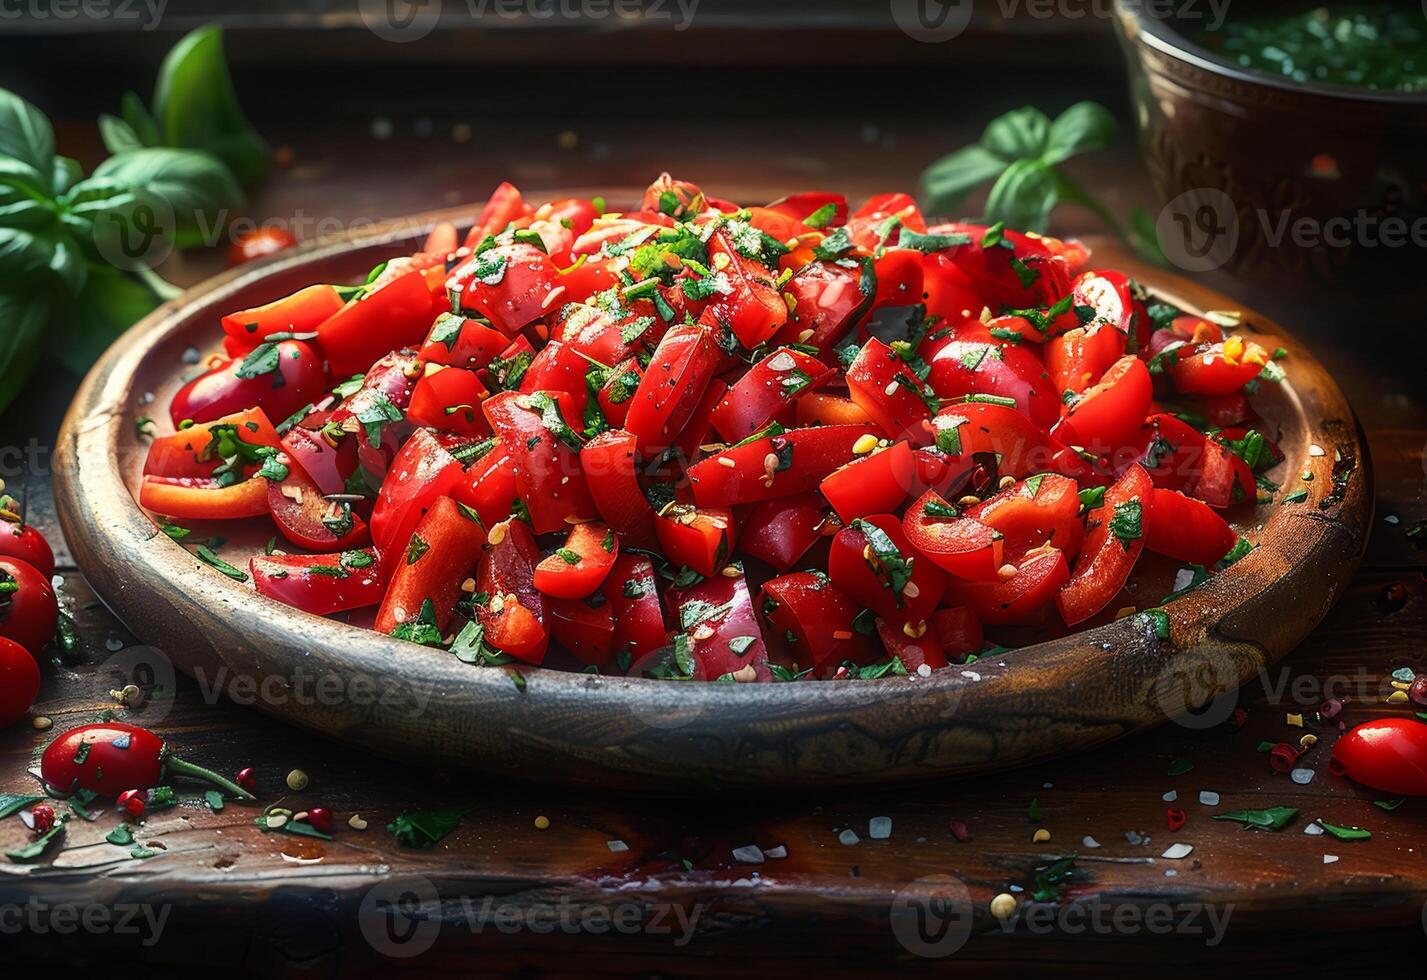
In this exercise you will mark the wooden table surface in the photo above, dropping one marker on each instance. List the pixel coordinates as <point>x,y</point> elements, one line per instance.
<point>619,884</point>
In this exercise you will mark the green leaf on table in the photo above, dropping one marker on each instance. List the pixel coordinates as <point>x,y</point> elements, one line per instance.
<point>110,303</point>
<point>1083,127</point>
<point>123,835</point>
<point>11,803</point>
<point>1273,818</point>
<point>37,847</point>
<point>1024,196</point>
<point>1345,833</point>
<point>195,106</point>
<point>194,185</point>
<point>24,320</point>
<point>26,135</point>
<point>426,829</point>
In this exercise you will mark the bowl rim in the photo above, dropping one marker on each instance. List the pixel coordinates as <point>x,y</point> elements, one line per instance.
<point>1159,34</point>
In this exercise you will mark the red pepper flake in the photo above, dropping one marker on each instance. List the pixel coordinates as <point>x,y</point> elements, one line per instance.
<point>1175,817</point>
<point>1283,756</point>
<point>959,831</point>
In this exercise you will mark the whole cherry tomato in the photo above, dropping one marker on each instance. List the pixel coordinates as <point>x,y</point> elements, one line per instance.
<point>24,543</point>
<point>29,611</point>
<point>278,378</point>
<point>19,681</point>
<point>1389,754</point>
<point>111,757</point>
<point>259,243</point>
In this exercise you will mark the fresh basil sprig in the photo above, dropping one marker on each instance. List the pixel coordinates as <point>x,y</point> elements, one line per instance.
<point>194,108</point>
<point>1021,152</point>
<point>69,273</point>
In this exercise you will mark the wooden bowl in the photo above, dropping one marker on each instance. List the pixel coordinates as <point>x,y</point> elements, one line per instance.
<point>427,708</point>
<point>1241,157</point>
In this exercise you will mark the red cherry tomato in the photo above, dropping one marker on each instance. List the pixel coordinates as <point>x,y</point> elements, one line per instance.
<point>29,611</point>
<point>278,378</point>
<point>1389,754</point>
<point>111,757</point>
<point>19,681</point>
<point>259,243</point>
<point>25,543</point>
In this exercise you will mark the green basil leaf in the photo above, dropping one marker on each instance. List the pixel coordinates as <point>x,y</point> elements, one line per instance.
<point>118,135</point>
<point>24,318</point>
<point>26,135</point>
<point>109,304</point>
<point>140,120</point>
<point>196,107</point>
<point>947,182</point>
<point>195,186</point>
<point>17,175</point>
<point>1020,134</point>
<point>67,173</point>
<point>1024,196</point>
<point>1084,126</point>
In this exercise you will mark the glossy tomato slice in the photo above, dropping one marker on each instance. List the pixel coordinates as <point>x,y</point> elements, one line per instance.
<point>814,619</point>
<point>577,568</point>
<point>961,545</point>
<point>320,584</point>
<point>1113,541</point>
<point>1184,528</point>
<point>1042,509</point>
<point>1021,598</point>
<point>872,562</point>
<point>875,483</point>
<point>780,531</point>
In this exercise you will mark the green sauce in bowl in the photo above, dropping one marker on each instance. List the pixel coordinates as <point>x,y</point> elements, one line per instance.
<point>1364,45</point>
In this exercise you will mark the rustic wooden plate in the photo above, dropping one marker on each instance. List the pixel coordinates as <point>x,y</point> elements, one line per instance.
<point>427,708</point>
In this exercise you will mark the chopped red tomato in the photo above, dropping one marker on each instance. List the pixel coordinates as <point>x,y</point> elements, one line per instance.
<point>874,563</point>
<point>577,568</point>
<point>1113,541</point>
<point>815,620</point>
<point>321,584</point>
<point>1187,529</point>
<point>301,313</point>
<point>396,315</point>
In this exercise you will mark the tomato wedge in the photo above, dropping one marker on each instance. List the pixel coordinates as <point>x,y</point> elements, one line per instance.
<point>680,370</point>
<point>961,545</point>
<point>1042,509</point>
<point>320,584</point>
<point>308,519</point>
<point>767,393</point>
<point>777,465</point>
<point>814,619</point>
<point>396,315</point>
<point>440,555</point>
<point>577,568</point>
<point>1187,529</point>
<point>701,538</point>
<point>872,562</point>
<point>1021,598</point>
<point>300,313</point>
<point>875,483</point>
<point>1113,542</point>
<point>883,385</point>
<point>1107,417</point>
<point>780,531</point>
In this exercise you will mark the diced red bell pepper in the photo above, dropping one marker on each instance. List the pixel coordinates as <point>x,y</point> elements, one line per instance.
<point>767,392</point>
<point>866,226</point>
<point>449,399</point>
<point>700,537</point>
<point>534,428</point>
<point>1107,418</point>
<point>300,313</point>
<point>462,342</point>
<point>320,584</point>
<point>187,453</point>
<point>1020,598</point>
<point>199,498</point>
<point>1044,508</point>
<point>875,483</point>
<point>517,624</point>
<point>505,206</point>
<point>1187,529</point>
<point>1006,371</point>
<point>960,632</point>
<point>609,462</point>
<point>961,545</point>
<point>1078,357</point>
<point>925,649</point>
<point>557,367</point>
<point>1113,541</point>
<point>487,485</point>
<point>777,465</point>
<point>883,385</point>
<point>818,409</point>
<point>326,453</point>
<point>1020,447</point>
<point>585,627</point>
<point>780,531</point>
<point>698,431</point>
<point>1217,369</point>
<point>719,618</point>
<point>751,307</point>
<point>508,284</point>
<point>423,472</point>
<point>395,316</point>
<point>873,563</point>
<point>679,371</point>
<point>631,588</point>
<point>815,619</point>
<point>431,564</point>
<point>593,548</point>
<point>828,300</point>
<point>805,205</point>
